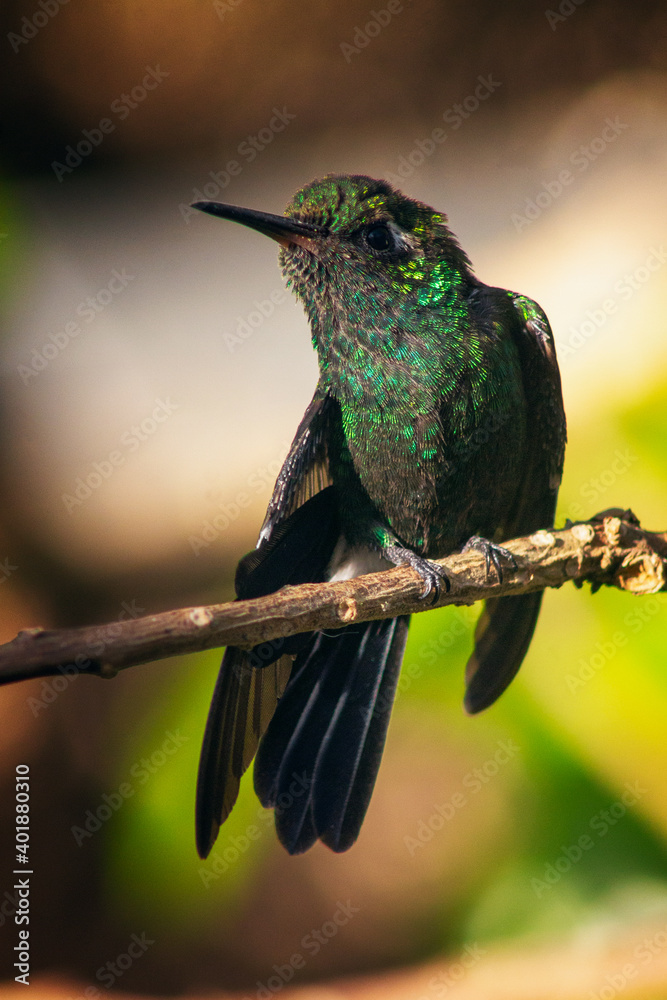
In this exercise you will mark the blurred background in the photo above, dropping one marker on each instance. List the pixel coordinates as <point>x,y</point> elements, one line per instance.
<point>154,370</point>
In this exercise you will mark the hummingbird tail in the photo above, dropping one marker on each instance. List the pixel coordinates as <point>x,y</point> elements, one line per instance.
<point>318,761</point>
<point>243,702</point>
<point>502,637</point>
<point>251,681</point>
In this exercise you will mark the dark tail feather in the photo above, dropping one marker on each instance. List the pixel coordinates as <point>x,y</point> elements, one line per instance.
<point>319,759</point>
<point>344,784</point>
<point>502,637</point>
<point>243,703</point>
<point>251,682</point>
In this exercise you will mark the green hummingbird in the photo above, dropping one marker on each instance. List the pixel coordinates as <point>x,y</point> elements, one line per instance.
<point>437,425</point>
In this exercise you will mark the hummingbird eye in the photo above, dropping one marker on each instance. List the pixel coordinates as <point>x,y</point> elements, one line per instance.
<point>379,238</point>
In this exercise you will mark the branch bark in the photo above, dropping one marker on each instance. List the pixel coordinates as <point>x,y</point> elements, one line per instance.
<point>609,550</point>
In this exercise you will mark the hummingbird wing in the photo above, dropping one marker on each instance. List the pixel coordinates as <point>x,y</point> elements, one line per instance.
<point>547,431</point>
<point>506,626</point>
<point>297,541</point>
<point>305,471</point>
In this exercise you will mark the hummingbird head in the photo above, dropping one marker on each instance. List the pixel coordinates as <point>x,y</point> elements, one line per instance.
<point>377,242</point>
<point>357,253</point>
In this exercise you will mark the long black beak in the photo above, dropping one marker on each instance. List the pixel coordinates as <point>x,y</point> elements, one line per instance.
<point>284,231</point>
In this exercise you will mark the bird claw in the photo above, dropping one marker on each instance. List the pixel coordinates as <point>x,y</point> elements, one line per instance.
<point>433,575</point>
<point>492,554</point>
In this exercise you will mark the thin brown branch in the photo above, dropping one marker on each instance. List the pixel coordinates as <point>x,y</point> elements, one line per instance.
<point>610,550</point>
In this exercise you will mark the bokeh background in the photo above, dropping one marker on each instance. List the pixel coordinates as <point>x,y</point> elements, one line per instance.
<point>153,372</point>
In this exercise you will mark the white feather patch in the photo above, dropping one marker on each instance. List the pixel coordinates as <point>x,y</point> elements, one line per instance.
<point>348,562</point>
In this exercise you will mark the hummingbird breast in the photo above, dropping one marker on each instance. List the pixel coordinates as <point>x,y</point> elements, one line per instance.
<point>438,460</point>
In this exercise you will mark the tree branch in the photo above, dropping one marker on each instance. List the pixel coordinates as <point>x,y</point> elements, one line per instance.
<point>609,550</point>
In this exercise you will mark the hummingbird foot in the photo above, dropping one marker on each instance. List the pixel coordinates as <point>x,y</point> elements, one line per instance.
<point>433,575</point>
<point>492,554</point>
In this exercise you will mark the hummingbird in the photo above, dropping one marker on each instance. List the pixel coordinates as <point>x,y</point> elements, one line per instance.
<point>436,426</point>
